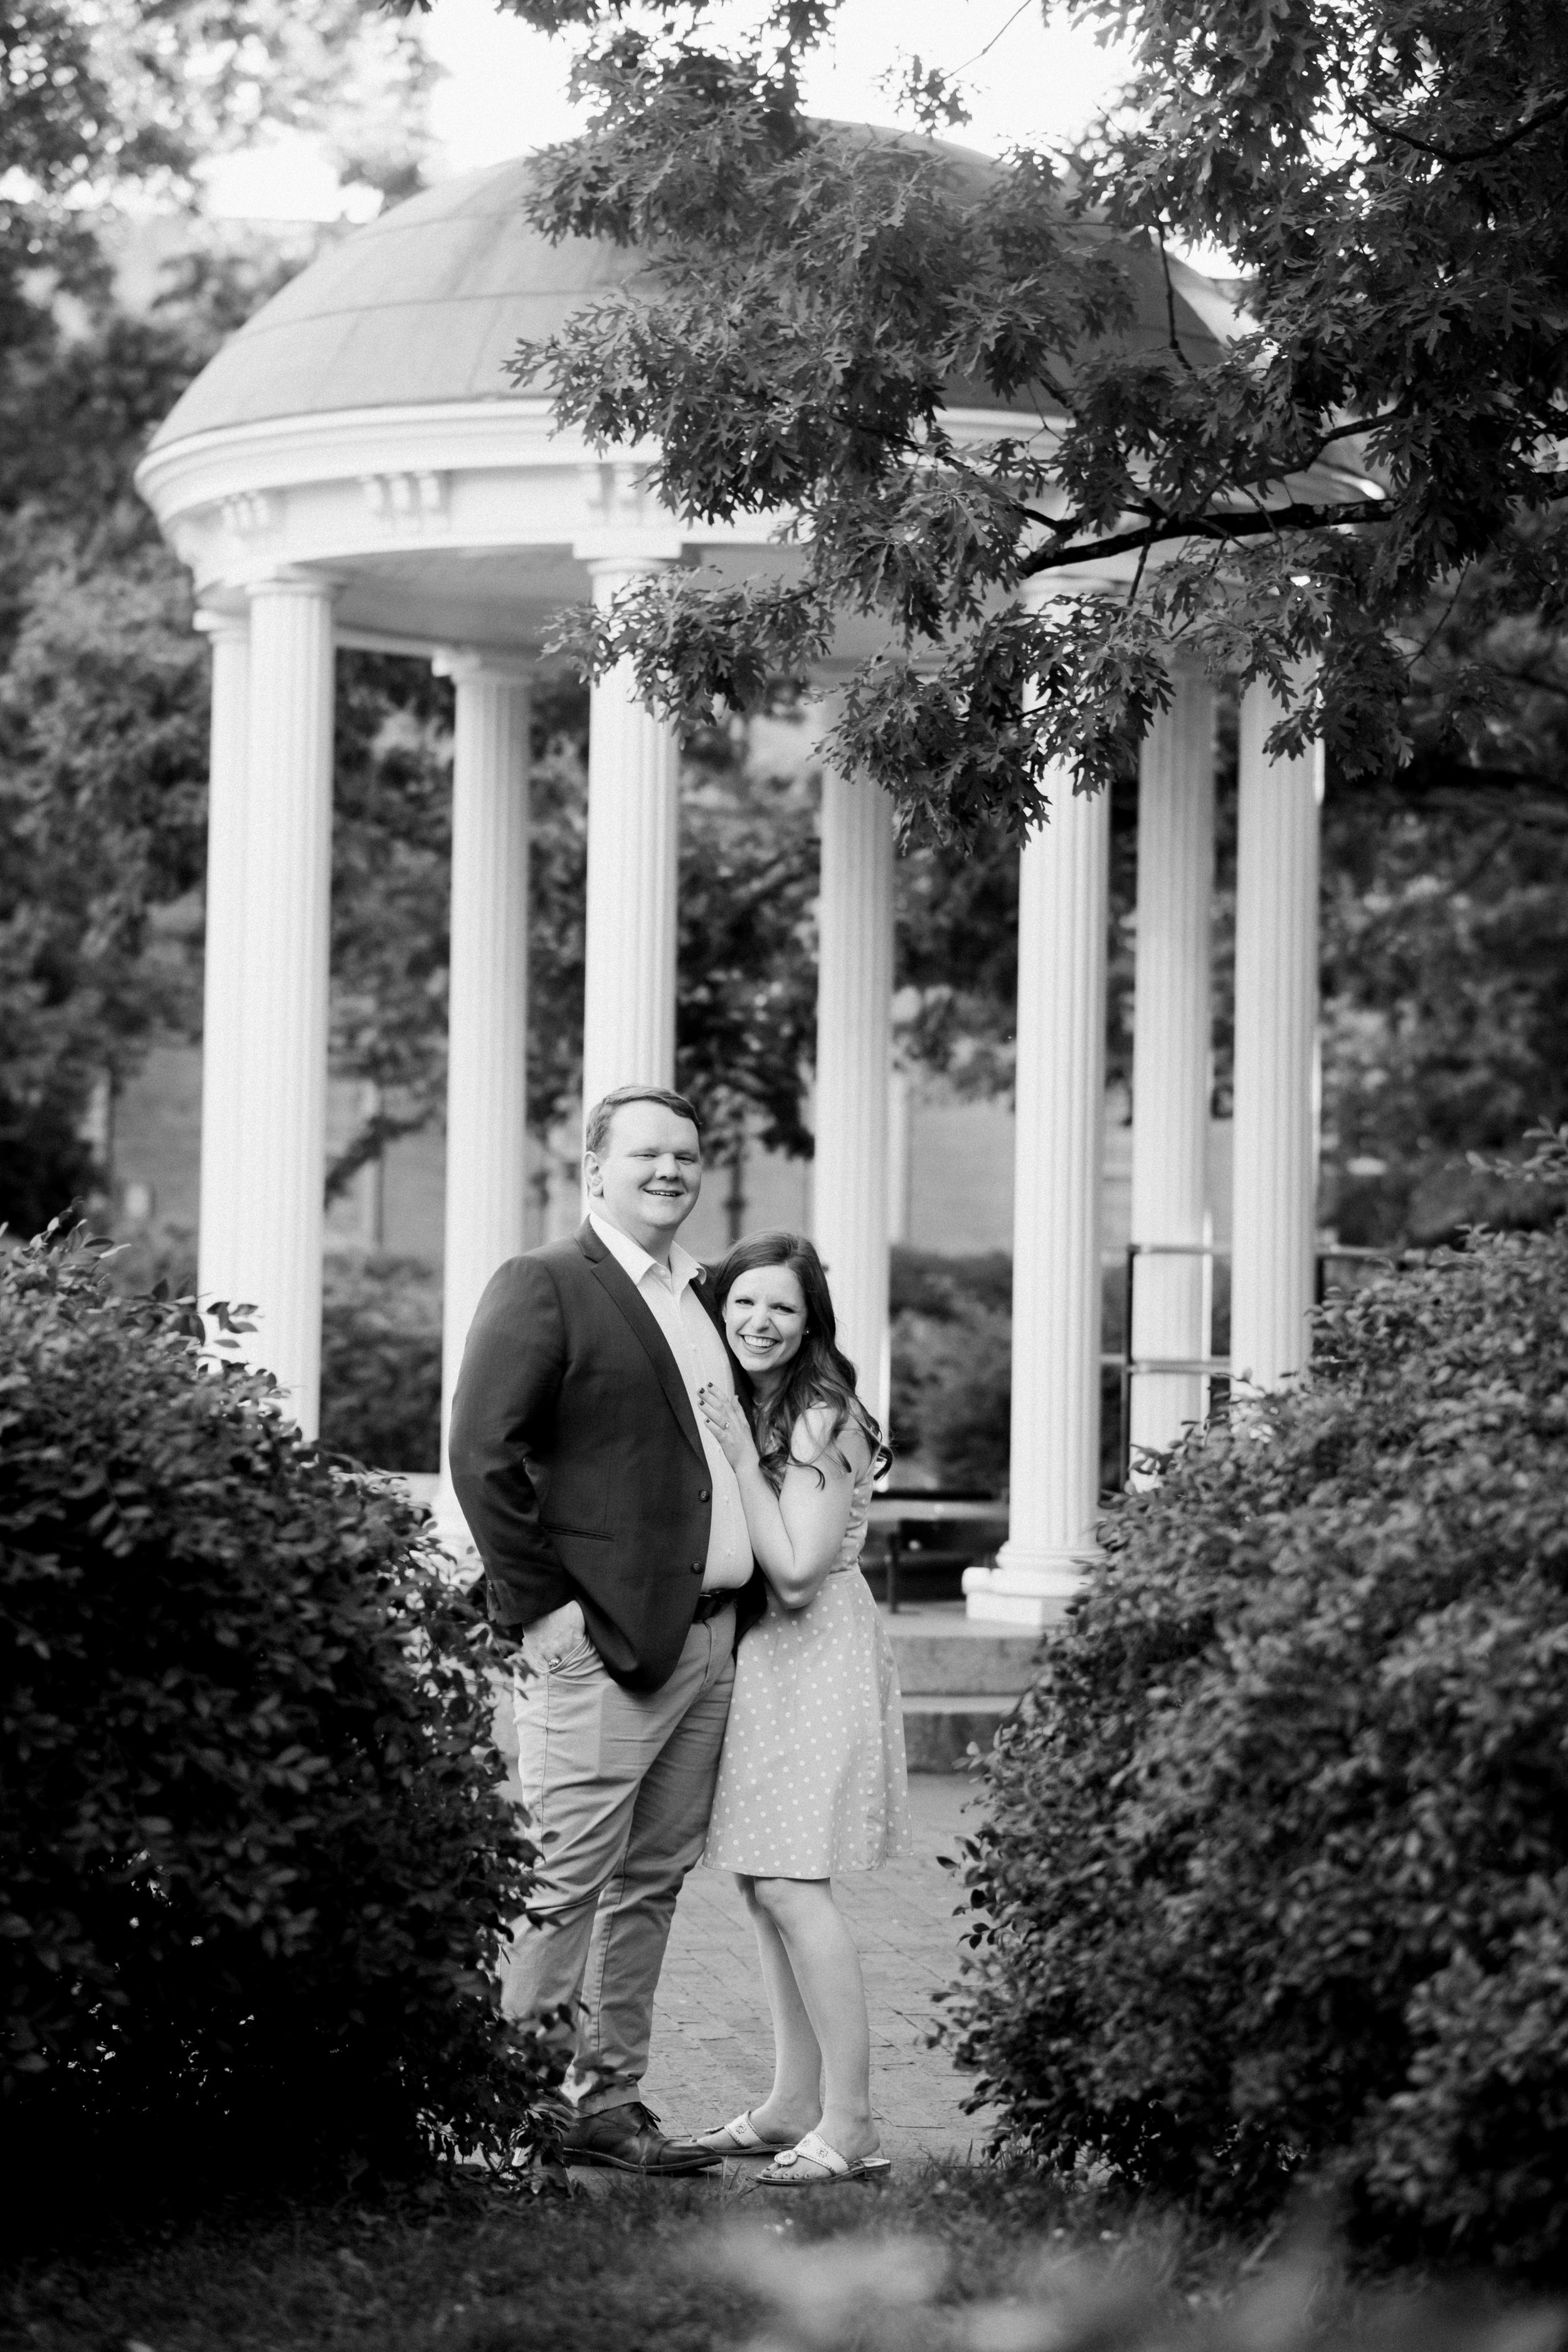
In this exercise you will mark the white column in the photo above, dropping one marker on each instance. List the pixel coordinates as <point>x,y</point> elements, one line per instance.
<point>1275,1185</point>
<point>634,758</point>
<point>1171,1036</point>
<point>487,1078</point>
<point>225,1085</point>
<point>854,1025</point>
<point>289,784</point>
<point>1055,1458</point>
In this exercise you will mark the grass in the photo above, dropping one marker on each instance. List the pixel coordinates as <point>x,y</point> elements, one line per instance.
<point>948,2259</point>
<point>645,2267</point>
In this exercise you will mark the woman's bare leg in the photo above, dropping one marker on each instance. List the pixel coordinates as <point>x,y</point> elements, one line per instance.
<point>824,1968</point>
<point>795,2103</point>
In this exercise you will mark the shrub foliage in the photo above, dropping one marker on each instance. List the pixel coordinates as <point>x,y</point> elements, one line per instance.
<point>1275,1875</point>
<point>254,1860</point>
<point>952,1367</point>
<point>381,1363</point>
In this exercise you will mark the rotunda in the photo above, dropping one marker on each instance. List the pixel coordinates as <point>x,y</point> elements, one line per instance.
<point>355,468</point>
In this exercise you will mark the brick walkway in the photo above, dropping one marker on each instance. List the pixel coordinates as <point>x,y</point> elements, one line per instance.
<point>712,2046</point>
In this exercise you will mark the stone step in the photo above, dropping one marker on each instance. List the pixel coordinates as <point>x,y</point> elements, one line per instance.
<point>943,1651</point>
<point>940,1727</point>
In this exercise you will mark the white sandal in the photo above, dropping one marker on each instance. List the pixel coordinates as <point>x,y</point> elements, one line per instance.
<point>783,2172</point>
<point>738,2138</point>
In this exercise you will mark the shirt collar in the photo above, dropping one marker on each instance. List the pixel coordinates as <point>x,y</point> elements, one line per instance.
<point>635,1261</point>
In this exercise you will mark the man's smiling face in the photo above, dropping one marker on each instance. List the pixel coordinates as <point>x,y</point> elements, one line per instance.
<point>647,1178</point>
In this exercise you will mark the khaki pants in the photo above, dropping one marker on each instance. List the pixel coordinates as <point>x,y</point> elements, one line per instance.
<point>618,1786</point>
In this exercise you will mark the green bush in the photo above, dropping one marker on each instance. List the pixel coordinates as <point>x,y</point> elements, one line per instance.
<point>1274,1876</point>
<point>380,1345</point>
<point>254,1862</point>
<point>381,1363</point>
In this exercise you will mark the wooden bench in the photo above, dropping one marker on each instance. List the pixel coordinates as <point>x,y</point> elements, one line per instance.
<point>906,1531</point>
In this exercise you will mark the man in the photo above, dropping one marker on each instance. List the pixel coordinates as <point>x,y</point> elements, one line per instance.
<point>615,1546</point>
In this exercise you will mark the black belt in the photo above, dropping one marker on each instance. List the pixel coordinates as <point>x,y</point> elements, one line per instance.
<point>709,1605</point>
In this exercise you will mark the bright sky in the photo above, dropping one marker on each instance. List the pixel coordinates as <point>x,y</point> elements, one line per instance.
<point>505,90</point>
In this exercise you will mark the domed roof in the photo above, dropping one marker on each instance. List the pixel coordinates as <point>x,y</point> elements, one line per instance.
<point>426,303</point>
<point>429,302</point>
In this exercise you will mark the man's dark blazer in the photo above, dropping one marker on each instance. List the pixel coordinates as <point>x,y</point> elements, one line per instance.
<point>577,1458</point>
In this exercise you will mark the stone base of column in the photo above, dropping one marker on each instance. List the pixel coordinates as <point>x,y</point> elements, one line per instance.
<point>1032,1592</point>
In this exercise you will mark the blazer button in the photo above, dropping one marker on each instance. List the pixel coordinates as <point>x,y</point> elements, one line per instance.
<point>702,1493</point>
<point>697,1568</point>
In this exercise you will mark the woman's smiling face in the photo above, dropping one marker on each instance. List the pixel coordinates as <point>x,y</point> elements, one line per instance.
<point>764,1319</point>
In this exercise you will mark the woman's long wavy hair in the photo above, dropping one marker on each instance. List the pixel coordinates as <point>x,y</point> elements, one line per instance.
<point>821,1373</point>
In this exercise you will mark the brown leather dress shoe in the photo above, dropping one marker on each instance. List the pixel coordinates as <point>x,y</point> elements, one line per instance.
<point>629,2140</point>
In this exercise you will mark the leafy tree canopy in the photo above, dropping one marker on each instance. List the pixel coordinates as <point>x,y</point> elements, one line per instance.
<point>100,100</point>
<point>1446,946</point>
<point>107,110</point>
<point>103,684</point>
<point>1390,177</point>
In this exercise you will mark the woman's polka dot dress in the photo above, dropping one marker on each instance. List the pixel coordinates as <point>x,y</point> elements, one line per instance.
<point>813,1780</point>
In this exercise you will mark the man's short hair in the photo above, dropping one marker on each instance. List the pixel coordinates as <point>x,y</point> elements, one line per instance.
<point>596,1127</point>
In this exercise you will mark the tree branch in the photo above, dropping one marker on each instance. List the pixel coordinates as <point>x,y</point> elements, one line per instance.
<point>1175,340</point>
<point>1354,424</point>
<point>1296,517</point>
<point>1547,113</point>
<point>1529,678</point>
<point>382,1128</point>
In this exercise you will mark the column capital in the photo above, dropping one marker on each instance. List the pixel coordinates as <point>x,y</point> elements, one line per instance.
<point>628,527</point>
<point>296,580</point>
<point>222,625</point>
<point>463,663</point>
<point>610,560</point>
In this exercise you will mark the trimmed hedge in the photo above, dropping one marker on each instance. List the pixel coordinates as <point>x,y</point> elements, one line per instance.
<point>1274,1877</point>
<point>255,1858</point>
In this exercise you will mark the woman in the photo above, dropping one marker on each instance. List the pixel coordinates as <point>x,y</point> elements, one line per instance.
<point>812,1780</point>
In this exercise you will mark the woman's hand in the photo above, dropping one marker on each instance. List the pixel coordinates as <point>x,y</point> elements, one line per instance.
<point>730,1426</point>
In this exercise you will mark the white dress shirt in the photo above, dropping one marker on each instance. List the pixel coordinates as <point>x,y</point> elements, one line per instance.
<point>701,1358</point>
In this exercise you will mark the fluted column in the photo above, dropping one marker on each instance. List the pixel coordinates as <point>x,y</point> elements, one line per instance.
<point>1055,1458</point>
<point>1274,1199</point>
<point>225,1085</point>
<point>854,1000</point>
<point>1171,1036</point>
<point>289,784</point>
<point>487,1066</point>
<point>634,758</point>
